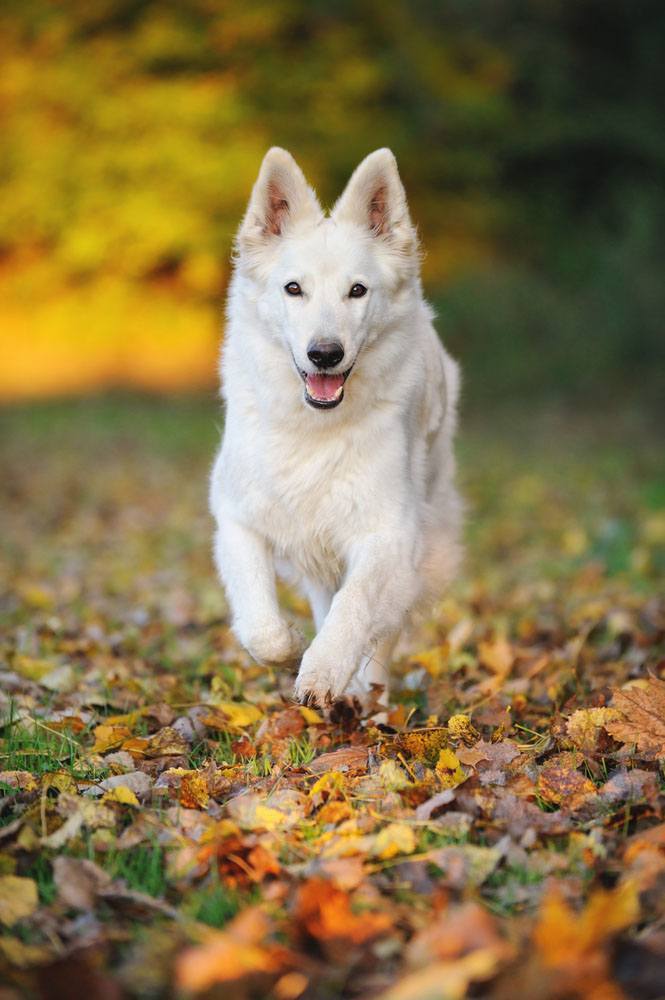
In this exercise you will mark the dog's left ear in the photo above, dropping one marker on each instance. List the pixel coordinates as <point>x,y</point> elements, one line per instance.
<point>375,199</point>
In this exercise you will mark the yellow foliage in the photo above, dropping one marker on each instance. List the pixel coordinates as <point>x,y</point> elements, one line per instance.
<point>18,898</point>
<point>449,769</point>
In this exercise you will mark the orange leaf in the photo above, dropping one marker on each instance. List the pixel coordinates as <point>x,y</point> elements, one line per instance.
<point>325,913</point>
<point>230,955</point>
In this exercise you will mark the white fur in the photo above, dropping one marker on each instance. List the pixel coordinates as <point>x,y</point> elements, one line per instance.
<point>355,505</point>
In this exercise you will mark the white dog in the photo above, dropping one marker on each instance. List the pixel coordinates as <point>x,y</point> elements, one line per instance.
<point>336,470</point>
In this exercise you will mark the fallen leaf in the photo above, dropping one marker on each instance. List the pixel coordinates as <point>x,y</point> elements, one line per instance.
<point>497,655</point>
<point>425,809</point>
<point>122,794</point>
<point>449,770</point>
<point>109,737</point>
<point>18,898</point>
<point>465,865</point>
<point>194,792</point>
<point>567,940</point>
<point>22,781</point>
<point>586,724</point>
<point>460,728</point>
<point>642,716</point>
<point>351,759</point>
<point>561,784</point>
<point>445,980</point>
<point>232,714</point>
<point>138,782</point>
<point>78,881</point>
<point>496,757</point>
<point>419,744</point>
<point>166,742</point>
<point>325,913</point>
<point>230,955</point>
<point>397,838</point>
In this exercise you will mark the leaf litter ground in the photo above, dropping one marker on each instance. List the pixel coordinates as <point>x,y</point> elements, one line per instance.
<point>172,824</point>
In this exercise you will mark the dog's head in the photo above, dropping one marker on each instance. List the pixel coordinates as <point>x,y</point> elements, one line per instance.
<point>327,287</point>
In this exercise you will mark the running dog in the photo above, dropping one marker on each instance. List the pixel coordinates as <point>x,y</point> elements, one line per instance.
<point>336,470</point>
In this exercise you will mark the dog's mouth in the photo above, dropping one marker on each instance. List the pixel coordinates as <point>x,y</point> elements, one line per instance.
<point>323,390</point>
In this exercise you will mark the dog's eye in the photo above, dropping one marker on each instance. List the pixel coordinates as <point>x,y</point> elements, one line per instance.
<point>293,288</point>
<point>357,291</point>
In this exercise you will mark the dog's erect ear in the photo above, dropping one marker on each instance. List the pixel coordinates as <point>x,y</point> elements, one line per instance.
<point>375,198</point>
<point>281,197</point>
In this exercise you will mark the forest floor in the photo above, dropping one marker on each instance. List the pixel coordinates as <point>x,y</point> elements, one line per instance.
<point>172,824</point>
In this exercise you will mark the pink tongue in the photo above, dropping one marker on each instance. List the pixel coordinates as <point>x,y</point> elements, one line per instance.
<point>324,387</point>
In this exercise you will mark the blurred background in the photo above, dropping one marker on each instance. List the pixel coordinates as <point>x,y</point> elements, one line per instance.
<point>530,135</point>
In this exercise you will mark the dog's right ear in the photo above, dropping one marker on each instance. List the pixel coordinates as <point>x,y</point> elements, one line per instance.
<point>281,198</point>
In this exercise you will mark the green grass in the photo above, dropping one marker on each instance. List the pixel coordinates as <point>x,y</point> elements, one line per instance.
<point>141,867</point>
<point>300,751</point>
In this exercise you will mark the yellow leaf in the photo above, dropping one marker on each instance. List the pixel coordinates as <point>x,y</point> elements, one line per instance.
<point>449,769</point>
<point>269,818</point>
<point>423,744</point>
<point>392,776</point>
<point>122,794</point>
<point>194,792</point>
<point>584,726</point>
<point>18,898</point>
<point>22,955</point>
<point>328,786</point>
<point>398,838</point>
<point>232,713</point>
<point>433,660</point>
<point>32,669</point>
<point>109,738</point>
<point>460,728</point>
<point>311,717</point>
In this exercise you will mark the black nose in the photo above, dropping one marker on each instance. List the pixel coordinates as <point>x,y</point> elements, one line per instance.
<point>325,353</point>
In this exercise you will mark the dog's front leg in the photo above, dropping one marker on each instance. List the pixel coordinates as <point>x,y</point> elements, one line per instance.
<point>380,586</point>
<point>245,564</point>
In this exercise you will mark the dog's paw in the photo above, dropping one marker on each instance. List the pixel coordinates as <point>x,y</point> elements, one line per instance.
<point>321,680</point>
<point>274,643</point>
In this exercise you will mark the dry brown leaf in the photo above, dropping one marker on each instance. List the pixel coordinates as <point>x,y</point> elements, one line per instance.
<point>23,781</point>
<point>349,759</point>
<point>642,721</point>
<point>561,784</point>
<point>78,881</point>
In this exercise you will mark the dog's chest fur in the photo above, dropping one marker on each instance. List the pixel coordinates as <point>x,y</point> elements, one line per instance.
<point>311,494</point>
